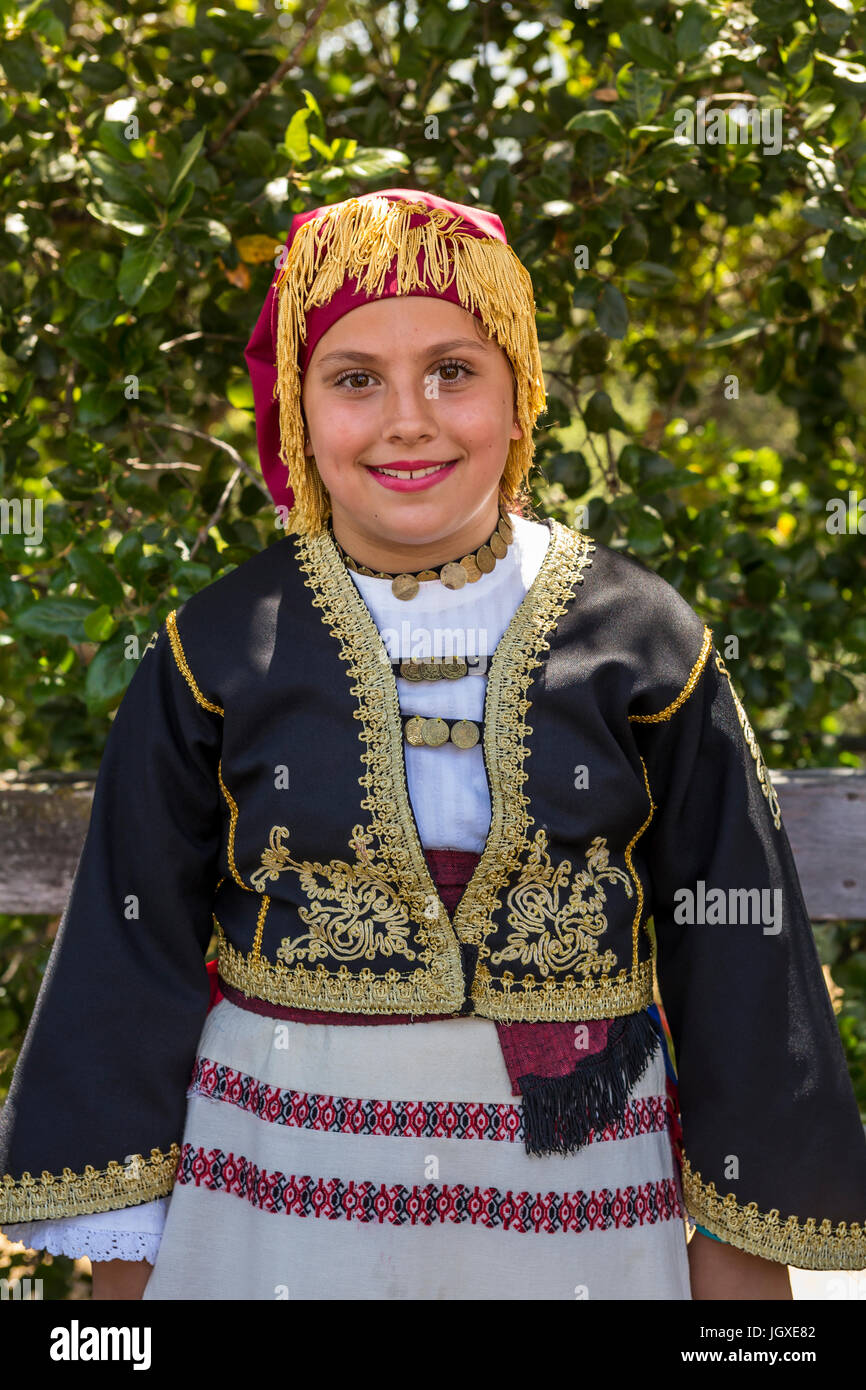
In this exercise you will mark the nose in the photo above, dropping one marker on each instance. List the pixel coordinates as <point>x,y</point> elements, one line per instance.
<point>408,411</point>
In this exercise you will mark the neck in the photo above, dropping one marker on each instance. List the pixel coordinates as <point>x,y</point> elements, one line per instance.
<point>401,556</point>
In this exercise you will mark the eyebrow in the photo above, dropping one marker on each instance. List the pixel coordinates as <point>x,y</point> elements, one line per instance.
<point>372,358</point>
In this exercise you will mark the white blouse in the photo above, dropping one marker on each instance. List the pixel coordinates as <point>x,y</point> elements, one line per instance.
<point>447,788</point>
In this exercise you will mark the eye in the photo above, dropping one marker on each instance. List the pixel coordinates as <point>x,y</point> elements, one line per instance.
<point>352,376</point>
<point>357,380</point>
<point>453,364</point>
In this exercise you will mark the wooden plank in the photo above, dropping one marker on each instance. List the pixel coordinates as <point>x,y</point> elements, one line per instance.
<point>43,824</point>
<point>824,815</point>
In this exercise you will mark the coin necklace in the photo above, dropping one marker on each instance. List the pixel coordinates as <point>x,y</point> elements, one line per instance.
<point>454,573</point>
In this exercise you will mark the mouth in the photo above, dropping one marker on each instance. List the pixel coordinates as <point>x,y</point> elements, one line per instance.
<point>411,470</point>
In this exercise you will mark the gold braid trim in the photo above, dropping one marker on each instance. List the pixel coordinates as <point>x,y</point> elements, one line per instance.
<point>526,1000</point>
<point>636,876</point>
<point>694,676</point>
<point>78,1194</point>
<point>183,664</point>
<point>810,1245</point>
<point>233,822</point>
<point>341,991</point>
<point>361,238</point>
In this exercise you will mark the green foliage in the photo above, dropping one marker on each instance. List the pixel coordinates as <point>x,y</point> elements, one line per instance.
<point>700,304</point>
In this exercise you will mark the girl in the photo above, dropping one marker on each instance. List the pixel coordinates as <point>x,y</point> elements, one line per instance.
<point>448,781</point>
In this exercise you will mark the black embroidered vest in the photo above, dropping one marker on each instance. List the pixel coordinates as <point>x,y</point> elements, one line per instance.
<point>325,899</point>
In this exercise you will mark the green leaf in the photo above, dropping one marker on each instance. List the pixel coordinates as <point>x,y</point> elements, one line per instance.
<point>643,89</point>
<point>601,122</point>
<point>599,414</point>
<point>255,155</point>
<point>139,266</point>
<point>96,573</point>
<point>188,156</point>
<point>86,274</point>
<point>374,162</point>
<point>99,404</point>
<point>125,219</point>
<point>128,554</point>
<point>649,47</point>
<point>737,333</point>
<point>55,617</point>
<point>695,31</point>
<point>632,244</point>
<point>612,312</point>
<point>108,675</point>
<point>100,625</point>
<point>102,77</point>
<point>297,141</point>
<point>646,530</point>
<point>121,188</point>
<point>22,65</point>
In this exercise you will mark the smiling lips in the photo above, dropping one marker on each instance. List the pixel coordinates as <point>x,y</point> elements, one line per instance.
<point>409,468</point>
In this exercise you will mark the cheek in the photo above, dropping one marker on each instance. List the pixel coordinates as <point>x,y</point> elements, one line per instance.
<point>339,427</point>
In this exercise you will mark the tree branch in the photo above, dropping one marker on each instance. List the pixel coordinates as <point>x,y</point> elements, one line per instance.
<point>261,92</point>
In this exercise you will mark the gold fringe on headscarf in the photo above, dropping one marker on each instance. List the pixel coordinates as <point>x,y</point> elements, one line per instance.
<point>360,239</point>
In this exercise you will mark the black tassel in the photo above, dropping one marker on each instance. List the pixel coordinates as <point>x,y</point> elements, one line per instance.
<point>560,1111</point>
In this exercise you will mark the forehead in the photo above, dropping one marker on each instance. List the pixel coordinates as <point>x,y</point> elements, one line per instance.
<point>392,327</point>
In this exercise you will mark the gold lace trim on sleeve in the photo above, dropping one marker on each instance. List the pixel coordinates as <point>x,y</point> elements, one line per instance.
<point>694,677</point>
<point>119,1185</point>
<point>761,769</point>
<point>183,664</point>
<point>807,1245</point>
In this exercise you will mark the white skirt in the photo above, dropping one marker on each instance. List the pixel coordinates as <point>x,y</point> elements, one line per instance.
<point>387,1162</point>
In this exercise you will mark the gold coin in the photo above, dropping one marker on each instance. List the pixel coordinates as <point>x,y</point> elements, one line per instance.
<point>505,530</point>
<point>351,564</point>
<point>415,731</point>
<point>427,574</point>
<point>498,546</point>
<point>435,732</point>
<point>465,733</point>
<point>411,671</point>
<point>453,575</point>
<point>453,670</point>
<point>473,573</point>
<point>404,586</point>
<point>485,559</point>
<point>364,569</point>
<point>430,671</point>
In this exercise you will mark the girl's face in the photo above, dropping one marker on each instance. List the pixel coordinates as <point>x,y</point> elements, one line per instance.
<point>402,384</point>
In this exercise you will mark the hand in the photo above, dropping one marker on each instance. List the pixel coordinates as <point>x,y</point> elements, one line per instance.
<point>718,1270</point>
<point>120,1278</point>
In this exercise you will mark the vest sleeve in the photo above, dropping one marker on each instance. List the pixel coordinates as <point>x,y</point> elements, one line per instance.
<point>97,1102</point>
<point>774,1153</point>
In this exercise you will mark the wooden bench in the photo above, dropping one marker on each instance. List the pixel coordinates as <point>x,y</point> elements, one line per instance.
<point>43,820</point>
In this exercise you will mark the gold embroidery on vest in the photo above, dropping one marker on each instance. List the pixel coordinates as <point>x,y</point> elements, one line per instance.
<point>527,1000</point>
<point>811,1244</point>
<point>233,821</point>
<point>363,991</point>
<point>557,933</point>
<point>763,772</point>
<point>260,927</point>
<point>638,885</point>
<point>183,664</point>
<point>398,856</point>
<point>357,915</point>
<point>137,1179</point>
